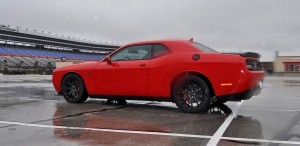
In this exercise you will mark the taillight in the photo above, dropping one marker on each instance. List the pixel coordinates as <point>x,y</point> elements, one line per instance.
<point>253,64</point>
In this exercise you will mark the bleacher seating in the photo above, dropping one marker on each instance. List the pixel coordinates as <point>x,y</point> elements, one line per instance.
<point>47,53</point>
<point>29,57</point>
<point>23,51</point>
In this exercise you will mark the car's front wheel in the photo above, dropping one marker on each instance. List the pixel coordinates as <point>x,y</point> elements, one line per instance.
<point>73,89</point>
<point>191,94</point>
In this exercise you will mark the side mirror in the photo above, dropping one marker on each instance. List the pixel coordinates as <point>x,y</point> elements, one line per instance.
<point>107,59</point>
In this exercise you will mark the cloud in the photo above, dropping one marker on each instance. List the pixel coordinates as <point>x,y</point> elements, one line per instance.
<point>226,25</point>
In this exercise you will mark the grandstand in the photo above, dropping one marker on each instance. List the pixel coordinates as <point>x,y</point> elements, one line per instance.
<point>23,51</point>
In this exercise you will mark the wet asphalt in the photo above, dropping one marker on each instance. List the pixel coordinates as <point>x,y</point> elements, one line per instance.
<point>32,114</point>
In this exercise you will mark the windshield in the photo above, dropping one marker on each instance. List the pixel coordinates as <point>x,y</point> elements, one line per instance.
<point>202,47</point>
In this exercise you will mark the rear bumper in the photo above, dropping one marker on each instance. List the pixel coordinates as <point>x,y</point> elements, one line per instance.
<point>242,95</point>
<point>251,80</point>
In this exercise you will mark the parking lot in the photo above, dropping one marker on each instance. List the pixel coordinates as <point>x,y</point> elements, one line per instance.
<point>32,114</point>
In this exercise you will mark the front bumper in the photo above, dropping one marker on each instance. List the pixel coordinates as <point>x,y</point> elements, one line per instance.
<point>56,81</point>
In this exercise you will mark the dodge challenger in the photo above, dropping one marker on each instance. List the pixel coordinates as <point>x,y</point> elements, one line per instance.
<point>185,72</point>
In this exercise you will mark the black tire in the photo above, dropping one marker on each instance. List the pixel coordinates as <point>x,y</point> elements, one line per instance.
<point>191,94</point>
<point>73,89</point>
<point>122,101</point>
<point>221,101</point>
<point>117,101</point>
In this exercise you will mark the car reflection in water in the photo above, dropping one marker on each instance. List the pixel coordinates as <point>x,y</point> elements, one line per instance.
<point>137,117</point>
<point>220,109</point>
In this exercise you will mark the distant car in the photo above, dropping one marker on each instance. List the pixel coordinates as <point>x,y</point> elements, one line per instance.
<point>181,71</point>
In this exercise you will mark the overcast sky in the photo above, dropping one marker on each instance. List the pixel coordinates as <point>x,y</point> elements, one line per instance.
<point>262,26</point>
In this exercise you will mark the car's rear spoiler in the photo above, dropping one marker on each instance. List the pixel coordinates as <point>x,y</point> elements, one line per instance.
<point>247,54</point>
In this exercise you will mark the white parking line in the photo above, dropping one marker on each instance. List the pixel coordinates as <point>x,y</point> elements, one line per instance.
<point>31,99</point>
<point>105,130</point>
<point>219,133</point>
<point>266,109</point>
<point>293,84</point>
<point>261,140</point>
<point>281,97</point>
<point>148,133</point>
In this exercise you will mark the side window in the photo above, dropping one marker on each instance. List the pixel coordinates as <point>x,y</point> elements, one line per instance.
<point>159,50</point>
<point>140,52</point>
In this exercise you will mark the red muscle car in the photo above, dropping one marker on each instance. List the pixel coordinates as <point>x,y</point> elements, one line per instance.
<point>181,71</point>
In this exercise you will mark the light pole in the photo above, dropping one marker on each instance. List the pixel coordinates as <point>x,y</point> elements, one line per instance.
<point>18,28</point>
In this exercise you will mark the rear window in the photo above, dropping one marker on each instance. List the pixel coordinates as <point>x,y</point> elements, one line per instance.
<point>202,47</point>
<point>159,50</point>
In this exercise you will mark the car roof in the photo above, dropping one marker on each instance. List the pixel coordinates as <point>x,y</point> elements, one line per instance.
<point>175,45</point>
<point>156,41</point>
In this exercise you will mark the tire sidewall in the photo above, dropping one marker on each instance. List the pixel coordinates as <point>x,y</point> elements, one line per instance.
<point>203,107</point>
<point>81,96</point>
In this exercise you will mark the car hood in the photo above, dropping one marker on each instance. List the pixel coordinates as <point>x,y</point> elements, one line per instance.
<point>79,66</point>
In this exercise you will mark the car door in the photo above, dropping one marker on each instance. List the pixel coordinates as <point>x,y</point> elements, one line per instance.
<point>126,73</point>
<point>161,70</point>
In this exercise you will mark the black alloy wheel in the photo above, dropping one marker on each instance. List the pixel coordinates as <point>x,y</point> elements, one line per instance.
<point>73,89</point>
<point>191,94</point>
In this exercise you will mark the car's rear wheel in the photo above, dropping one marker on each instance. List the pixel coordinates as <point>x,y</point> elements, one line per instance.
<point>191,94</point>
<point>73,89</point>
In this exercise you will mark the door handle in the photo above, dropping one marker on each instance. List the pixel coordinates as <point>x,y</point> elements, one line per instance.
<point>143,65</point>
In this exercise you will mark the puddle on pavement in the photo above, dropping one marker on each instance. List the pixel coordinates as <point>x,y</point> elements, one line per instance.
<point>29,92</point>
<point>292,82</point>
<point>143,118</point>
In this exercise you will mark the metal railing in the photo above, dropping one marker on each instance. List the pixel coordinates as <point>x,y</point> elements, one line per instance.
<point>19,70</point>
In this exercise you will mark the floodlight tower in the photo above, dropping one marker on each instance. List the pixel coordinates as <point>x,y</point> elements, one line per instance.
<point>18,28</point>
